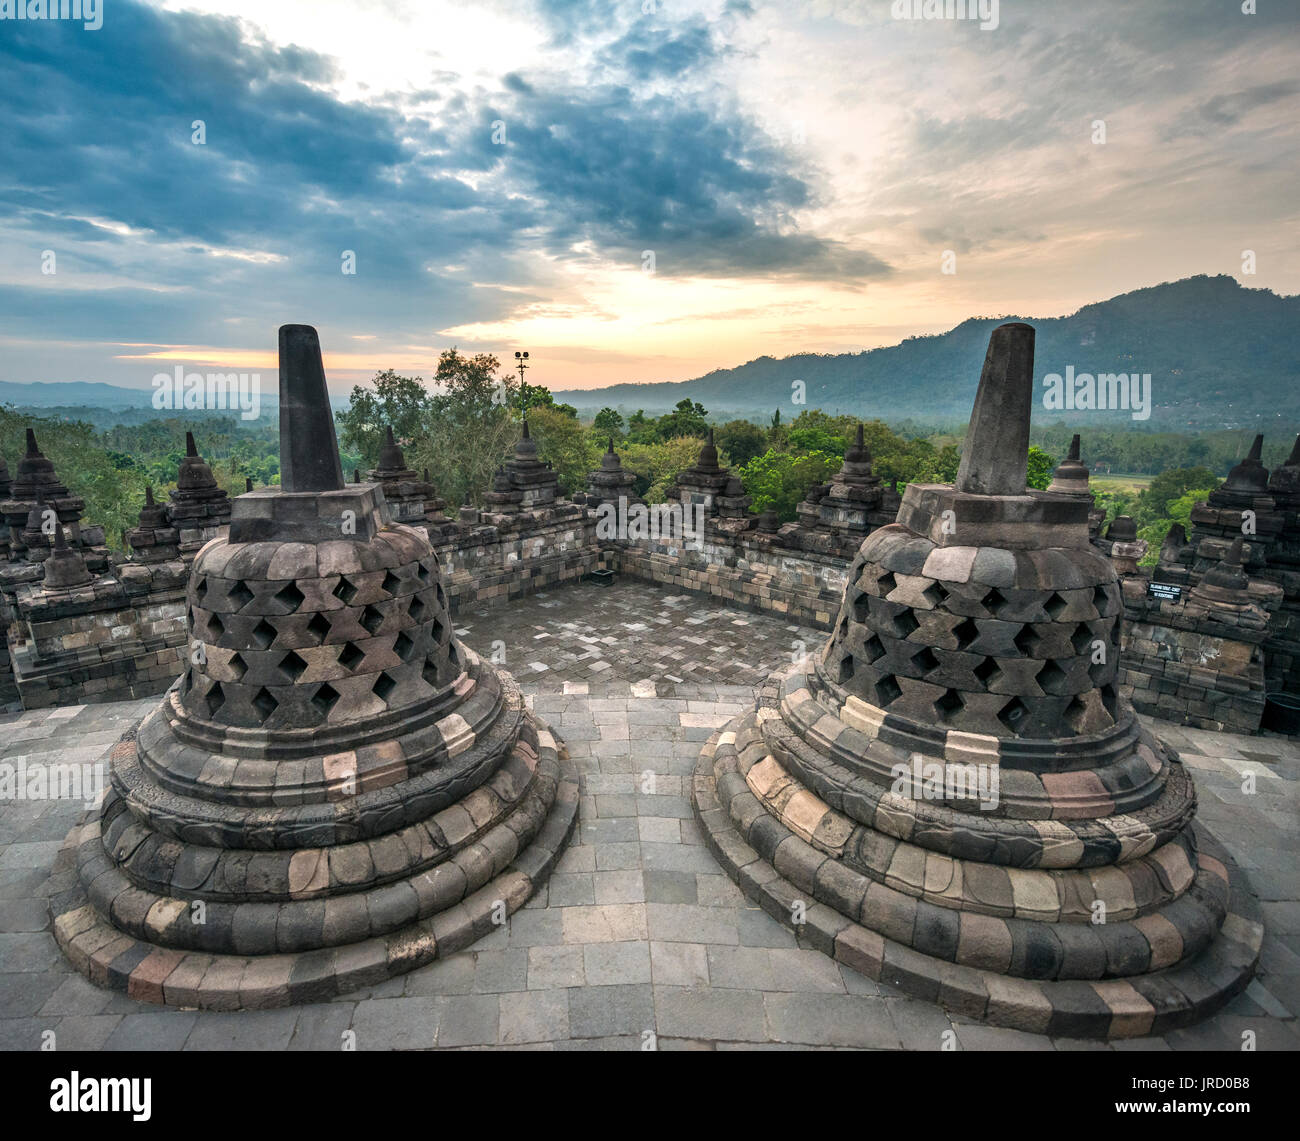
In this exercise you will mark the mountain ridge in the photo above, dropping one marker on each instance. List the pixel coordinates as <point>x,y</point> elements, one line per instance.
<point>1216,350</point>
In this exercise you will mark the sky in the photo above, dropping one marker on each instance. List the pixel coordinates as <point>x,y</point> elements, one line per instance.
<point>632,190</point>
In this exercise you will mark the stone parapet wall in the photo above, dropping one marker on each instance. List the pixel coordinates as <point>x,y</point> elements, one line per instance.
<point>94,643</point>
<point>118,637</point>
<point>10,700</point>
<point>1162,675</point>
<point>487,565</point>
<point>746,572</point>
<point>1185,665</point>
<point>1282,649</point>
<point>125,634</point>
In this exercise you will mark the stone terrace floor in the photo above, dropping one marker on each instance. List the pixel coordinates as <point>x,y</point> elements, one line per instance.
<point>637,931</point>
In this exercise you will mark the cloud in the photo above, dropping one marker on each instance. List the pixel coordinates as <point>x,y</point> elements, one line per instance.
<point>649,50</point>
<point>687,177</point>
<point>256,220</point>
<point>625,131</point>
<point>1230,108</point>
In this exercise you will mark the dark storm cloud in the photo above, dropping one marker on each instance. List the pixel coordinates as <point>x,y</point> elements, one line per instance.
<point>106,127</point>
<point>294,175</point>
<point>682,176</point>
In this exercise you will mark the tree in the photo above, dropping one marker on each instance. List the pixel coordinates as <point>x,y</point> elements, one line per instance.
<point>608,423</point>
<point>566,444</point>
<point>816,440</point>
<point>1180,509</point>
<point>780,480</point>
<point>1154,500</point>
<point>1114,503</point>
<point>946,464</point>
<point>1177,510</point>
<point>657,465</point>
<point>1040,468</point>
<point>741,440</point>
<point>113,495</point>
<point>401,402</point>
<point>641,429</point>
<point>469,429</point>
<point>687,419</point>
<point>536,396</point>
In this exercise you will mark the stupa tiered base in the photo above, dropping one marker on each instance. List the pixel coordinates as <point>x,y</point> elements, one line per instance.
<point>1012,944</point>
<point>283,926</point>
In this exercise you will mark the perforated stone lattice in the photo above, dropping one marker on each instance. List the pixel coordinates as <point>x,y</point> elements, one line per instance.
<point>370,641</point>
<point>972,656</point>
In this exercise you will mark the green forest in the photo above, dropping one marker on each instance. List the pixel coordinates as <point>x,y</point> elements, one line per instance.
<point>466,423</point>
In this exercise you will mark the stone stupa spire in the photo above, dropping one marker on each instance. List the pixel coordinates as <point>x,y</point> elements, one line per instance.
<point>708,459</point>
<point>1284,483</point>
<point>1174,542</point>
<point>391,458</point>
<point>309,454</point>
<point>995,456</point>
<point>857,451</point>
<point>1071,476</point>
<point>705,482</point>
<point>154,539</point>
<point>35,476</point>
<point>1250,475</point>
<point>411,499</point>
<point>153,514</point>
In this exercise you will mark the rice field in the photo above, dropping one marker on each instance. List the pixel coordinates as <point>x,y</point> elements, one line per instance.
<point>1118,481</point>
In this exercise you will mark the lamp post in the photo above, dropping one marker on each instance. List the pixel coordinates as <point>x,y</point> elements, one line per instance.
<point>521,363</point>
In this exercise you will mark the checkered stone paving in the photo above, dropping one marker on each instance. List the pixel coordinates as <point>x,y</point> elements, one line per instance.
<point>637,932</point>
<point>650,637</point>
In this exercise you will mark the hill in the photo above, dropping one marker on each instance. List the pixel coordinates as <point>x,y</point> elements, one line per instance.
<point>1219,354</point>
<point>78,393</point>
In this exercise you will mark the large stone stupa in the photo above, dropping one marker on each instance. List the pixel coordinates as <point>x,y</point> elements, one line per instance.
<point>954,799</point>
<point>336,790</point>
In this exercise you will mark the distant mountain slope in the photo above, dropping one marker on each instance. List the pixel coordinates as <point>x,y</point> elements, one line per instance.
<point>69,395</point>
<point>1219,355</point>
<point>85,393</point>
